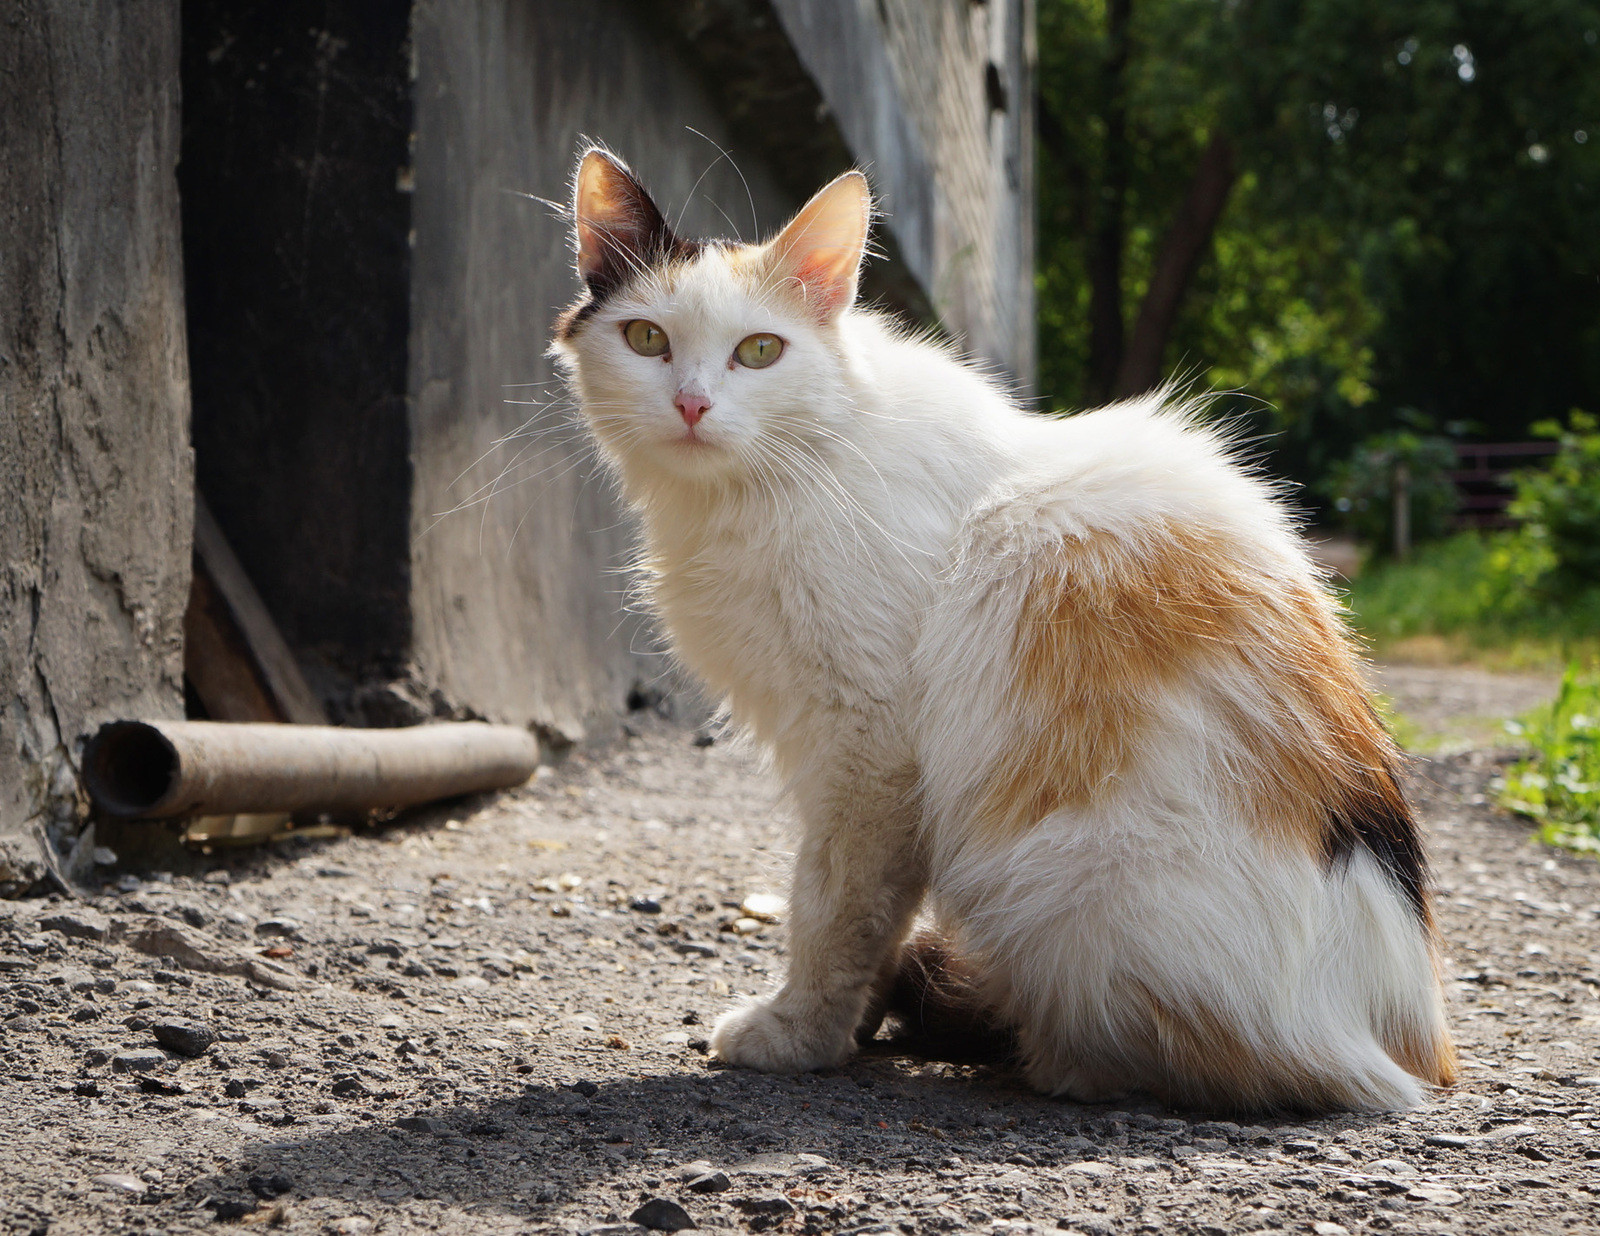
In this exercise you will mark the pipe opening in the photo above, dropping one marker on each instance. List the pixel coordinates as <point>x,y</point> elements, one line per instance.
<point>129,767</point>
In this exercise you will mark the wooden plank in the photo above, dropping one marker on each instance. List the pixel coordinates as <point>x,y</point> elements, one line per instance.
<point>236,600</point>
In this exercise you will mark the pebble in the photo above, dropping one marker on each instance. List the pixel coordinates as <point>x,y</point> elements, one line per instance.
<point>645,905</point>
<point>137,1061</point>
<point>184,1036</point>
<point>1452,1141</point>
<point>696,948</point>
<point>765,906</point>
<point>119,1182</point>
<point>1434,1195</point>
<point>662,1215</point>
<point>775,1204</point>
<point>269,1187</point>
<point>709,1182</point>
<point>82,924</point>
<point>281,927</point>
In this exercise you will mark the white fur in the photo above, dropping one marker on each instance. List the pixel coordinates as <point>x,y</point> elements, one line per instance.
<point>841,555</point>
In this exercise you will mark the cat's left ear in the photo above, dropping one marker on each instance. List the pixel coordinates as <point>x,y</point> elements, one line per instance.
<point>620,230</point>
<point>822,248</point>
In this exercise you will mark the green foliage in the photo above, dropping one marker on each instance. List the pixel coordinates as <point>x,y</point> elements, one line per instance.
<point>1458,594</point>
<point>1413,224</point>
<point>1556,551</point>
<point>1363,488</point>
<point>1559,784</point>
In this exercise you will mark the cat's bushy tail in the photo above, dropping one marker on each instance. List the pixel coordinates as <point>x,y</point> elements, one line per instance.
<point>935,1005</point>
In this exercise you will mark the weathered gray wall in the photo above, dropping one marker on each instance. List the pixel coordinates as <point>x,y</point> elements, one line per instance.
<point>95,469</point>
<point>518,546</point>
<point>948,143</point>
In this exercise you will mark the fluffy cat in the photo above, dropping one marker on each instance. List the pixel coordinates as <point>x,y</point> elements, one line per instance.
<point>1072,685</point>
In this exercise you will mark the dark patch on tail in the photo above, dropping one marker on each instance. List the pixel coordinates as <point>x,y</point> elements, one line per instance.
<point>1374,814</point>
<point>937,1010</point>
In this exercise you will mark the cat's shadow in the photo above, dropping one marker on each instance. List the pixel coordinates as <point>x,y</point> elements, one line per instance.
<point>537,1150</point>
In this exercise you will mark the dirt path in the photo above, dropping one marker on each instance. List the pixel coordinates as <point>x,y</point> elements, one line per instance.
<point>498,1019</point>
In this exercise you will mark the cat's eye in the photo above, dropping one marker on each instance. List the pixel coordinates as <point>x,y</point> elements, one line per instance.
<point>645,338</point>
<point>758,351</point>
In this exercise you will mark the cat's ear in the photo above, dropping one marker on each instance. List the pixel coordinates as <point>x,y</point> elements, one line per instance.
<point>619,228</point>
<point>822,248</point>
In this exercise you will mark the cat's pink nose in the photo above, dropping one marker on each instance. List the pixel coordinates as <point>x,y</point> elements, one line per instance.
<point>691,407</point>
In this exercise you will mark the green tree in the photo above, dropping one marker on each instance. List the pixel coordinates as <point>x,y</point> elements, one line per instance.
<point>1336,207</point>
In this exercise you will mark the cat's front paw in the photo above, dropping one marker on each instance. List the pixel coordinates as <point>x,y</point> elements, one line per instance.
<point>762,1036</point>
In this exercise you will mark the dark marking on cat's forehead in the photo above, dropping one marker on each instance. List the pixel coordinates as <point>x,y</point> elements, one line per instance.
<point>672,251</point>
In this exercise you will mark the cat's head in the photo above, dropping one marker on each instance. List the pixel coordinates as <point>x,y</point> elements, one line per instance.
<point>707,360</point>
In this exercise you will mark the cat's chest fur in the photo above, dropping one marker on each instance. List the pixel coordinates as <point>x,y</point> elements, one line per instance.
<point>818,610</point>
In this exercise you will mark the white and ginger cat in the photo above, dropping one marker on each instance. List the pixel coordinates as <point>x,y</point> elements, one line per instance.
<point>1071,682</point>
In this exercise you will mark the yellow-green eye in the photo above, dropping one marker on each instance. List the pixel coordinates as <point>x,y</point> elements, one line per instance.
<point>645,338</point>
<point>758,351</point>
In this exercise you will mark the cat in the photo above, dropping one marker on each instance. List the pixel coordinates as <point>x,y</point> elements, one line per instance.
<point>1069,685</point>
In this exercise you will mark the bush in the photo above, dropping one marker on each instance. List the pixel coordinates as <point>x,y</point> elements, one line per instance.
<point>1559,785</point>
<point>1362,488</point>
<point>1555,552</point>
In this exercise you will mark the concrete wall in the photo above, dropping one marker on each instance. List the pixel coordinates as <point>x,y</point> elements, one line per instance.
<point>95,467</point>
<point>934,98</point>
<point>518,543</point>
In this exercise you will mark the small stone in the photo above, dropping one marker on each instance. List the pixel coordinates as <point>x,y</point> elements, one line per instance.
<point>765,906</point>
<point>10,964</point>
<point>281,927</point>
<point>1392,1167</point>
<point>87,1090</point>
<point>385,948</point>
<point>228,1209</point>
<point>696,948</point>
<point>1330,1229</point>
<point>119,1183</point>
<point>645,905</point>
<point>1300,1147</point>
<point>710,1182</point>
<point>1434,1195</point>
<point>586,1088</point>
<point>1451,1141</point>
<point>184,1036</point>
<point>96,1056</point>
<point>350,1225</point>
<point>86,1012</point>
<point>234,1088</point>
<point>747,926</point>
<point>83,924</point>
<point>418,1124</point>
<point>269,1187</point>
<point>776,1204</point>
<point>137,1061</point>
<point>350,1086</point>
<point>662,1215</point>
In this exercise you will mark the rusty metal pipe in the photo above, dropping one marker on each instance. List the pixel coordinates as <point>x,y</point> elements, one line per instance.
<point>160,769</point>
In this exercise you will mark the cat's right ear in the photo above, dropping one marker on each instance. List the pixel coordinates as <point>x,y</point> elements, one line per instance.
<point>620,231</point>
<point>822,248</point>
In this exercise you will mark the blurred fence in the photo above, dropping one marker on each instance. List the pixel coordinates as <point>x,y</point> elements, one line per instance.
<point>1483,477</point>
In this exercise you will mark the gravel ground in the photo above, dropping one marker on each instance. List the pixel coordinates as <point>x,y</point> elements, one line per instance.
<point>492,1020</point>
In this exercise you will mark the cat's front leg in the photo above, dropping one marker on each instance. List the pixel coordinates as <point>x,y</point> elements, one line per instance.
<point>858,879</point>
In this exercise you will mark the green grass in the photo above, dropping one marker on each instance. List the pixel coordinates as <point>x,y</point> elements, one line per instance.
<point>1456,601</point>
<point>1559,784</point>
